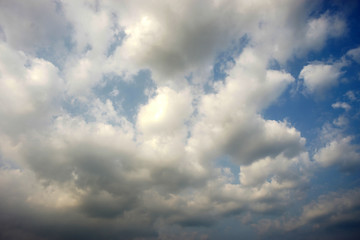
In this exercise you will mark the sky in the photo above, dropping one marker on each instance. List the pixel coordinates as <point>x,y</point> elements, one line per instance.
<point>192,119</point>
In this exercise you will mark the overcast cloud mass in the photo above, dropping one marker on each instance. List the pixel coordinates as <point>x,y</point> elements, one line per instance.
<point>192,119</point>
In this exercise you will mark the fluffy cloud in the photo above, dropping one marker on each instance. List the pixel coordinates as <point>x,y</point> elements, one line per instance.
<point>31,90</point>
<point>73,167</point>
<point>320,77</point>
<point>280,169</point>
<point>339,151</point>
<point>166,113</point>
<point>320,29</point>
<point>285,33</point>
<point>338,147</point>
<point>105,167</point>
<point>170,38</point>
<point>228,120</point>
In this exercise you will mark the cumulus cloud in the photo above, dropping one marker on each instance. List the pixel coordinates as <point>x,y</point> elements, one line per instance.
<point>166,113</point>
<point>275,169</point>
<point>228,120</point>
<point>31,90</point>
<point>320,77</point>
<point>338,147</point>
<point>339,151</point>
<point>72,166</point>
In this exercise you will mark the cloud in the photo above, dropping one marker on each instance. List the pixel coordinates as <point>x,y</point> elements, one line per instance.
<point>42,211</point>
<point>166,113</point>
<point>33,25</point>
<point>290,32</point>
<point>342,105</point>
<point>170,39</point>
<point>338,147</point>
<point>324,27</point>
<point>73,166</point>
<point>31,90</point>
<point>339,151</point>
<point>351,95</point>
<point>320,77</point>
<point>354,54</point>
<point>228,121</point>
<point>334,210</point>
<point>105,167</point>
<point>332,215</point>
<point>274,169</point>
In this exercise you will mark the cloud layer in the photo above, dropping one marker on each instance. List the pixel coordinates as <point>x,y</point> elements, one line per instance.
<point>198,151</point>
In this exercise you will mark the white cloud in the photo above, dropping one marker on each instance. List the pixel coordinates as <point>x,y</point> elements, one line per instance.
<point>354,54</point>
<point>105,112</point>
<point>341,121</point>
<point>169,38</point>
<point>320,29</point>
<point>92,26</point>
<point>342,105</point>
<point>280,169</point>
<point>31,90</point>
<point>166,113</point>
<point>114,92</point>
<point>228,121</point>
<point>338,147</point>
<point>107,168</point>
<point>286,31</point>
<point>82,75</point>
<point>339,151</point>
<point>91,170</point>
<point>320,77</point>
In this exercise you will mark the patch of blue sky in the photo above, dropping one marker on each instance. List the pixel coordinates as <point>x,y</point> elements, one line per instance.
<point>54,55</point>
<point>73,106</point>
<point>224,61</point>
<point>331,179</point>
<point>58,52</point>
<point>6,163</point>
<point>127,96</point>
<point>304,110</point>
<point>225,161</point>
<point>118,39</point>
<point>309,115</point>
<point>231,228</point>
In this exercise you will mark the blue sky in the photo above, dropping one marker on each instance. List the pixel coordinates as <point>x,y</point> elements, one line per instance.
<point>222,119</point>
